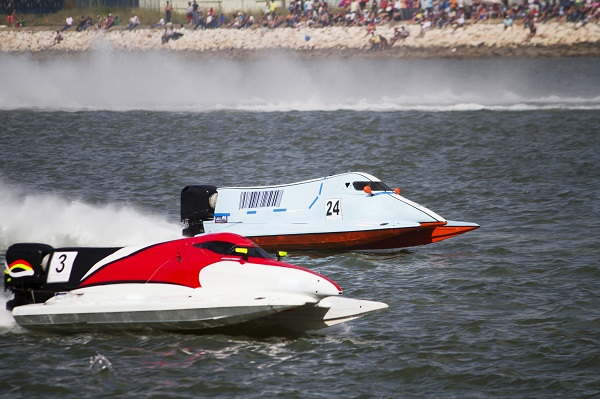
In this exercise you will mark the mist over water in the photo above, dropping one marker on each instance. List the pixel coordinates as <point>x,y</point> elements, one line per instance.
<point>121,81</point>
<point>27,216</point>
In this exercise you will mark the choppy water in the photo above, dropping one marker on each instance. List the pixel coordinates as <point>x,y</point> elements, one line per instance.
<point>96,150</point>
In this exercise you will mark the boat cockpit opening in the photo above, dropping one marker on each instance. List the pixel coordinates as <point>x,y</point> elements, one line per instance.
<point>227,248</point>
<point>375,186</point>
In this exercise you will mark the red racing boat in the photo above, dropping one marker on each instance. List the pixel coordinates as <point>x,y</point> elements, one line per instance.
<point>193,284</point>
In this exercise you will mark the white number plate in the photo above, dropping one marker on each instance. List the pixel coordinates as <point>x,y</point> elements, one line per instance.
<point>333,208</point>
<point>60,267</point>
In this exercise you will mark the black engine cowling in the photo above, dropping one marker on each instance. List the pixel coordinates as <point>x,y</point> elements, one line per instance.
<point>25,271</point>
<point>197,205</point>
<point>36,272</point>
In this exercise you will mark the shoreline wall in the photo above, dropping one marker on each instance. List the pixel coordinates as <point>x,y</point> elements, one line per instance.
<point>479,40</point>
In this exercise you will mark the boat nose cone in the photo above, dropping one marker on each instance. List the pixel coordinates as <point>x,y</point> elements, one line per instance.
<point>325,287</point>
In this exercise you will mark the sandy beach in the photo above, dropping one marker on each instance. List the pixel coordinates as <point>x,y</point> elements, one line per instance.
<point>477,40</point>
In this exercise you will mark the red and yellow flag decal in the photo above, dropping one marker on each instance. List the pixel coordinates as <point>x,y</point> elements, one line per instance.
<point>19,267</point>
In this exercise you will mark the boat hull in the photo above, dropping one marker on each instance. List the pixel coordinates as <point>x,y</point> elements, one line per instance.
<point>166,320</point>
<point>366,240</point>
<point>98,309</point>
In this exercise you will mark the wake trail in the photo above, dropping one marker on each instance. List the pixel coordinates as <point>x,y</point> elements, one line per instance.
<point>60,222</point>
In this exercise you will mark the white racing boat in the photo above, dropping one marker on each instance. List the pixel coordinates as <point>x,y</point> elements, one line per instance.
<point>349,211</point>
<point>194,284</point>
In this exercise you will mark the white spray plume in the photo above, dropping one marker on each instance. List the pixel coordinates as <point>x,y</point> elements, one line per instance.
<point>106,79</point>
<point>50,219</point>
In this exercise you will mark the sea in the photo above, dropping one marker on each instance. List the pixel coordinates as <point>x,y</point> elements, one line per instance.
<point>96,148</point>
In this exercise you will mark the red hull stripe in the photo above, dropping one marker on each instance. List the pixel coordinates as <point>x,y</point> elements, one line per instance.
<point>363,240</point>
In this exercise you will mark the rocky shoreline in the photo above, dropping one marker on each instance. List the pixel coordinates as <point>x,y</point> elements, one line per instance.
<point>483,40</point>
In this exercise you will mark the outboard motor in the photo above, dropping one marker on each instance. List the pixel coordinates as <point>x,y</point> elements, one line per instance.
<point>197,205</point>
<point>25,271</point>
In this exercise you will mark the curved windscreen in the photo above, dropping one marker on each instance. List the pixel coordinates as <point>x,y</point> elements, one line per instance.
<point>227,248</point>
<point>375,185</point>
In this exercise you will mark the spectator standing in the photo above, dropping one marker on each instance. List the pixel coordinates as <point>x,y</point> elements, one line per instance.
<point>189,13</point>
<point>168,12</point>
<point>404,13</point>
<point>409,9</point>
<point>382,6</point>
<point>308,6</point>
<point>397,10</point>
<point>195,13</point>
<point>10,11</point>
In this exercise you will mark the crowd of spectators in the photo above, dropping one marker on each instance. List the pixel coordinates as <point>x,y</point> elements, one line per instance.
<point>424,14</point>
<point>86,23</point>
<point>436,13</point>
<point>319,13</point>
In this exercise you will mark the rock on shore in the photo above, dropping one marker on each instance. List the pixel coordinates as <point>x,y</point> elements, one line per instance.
<point>478,40</point>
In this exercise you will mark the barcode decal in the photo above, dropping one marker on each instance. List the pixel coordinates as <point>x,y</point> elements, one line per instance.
<point>260,199</point>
